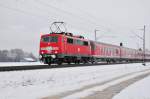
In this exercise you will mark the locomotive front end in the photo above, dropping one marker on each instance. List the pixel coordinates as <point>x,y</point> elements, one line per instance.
<point>50,48</point>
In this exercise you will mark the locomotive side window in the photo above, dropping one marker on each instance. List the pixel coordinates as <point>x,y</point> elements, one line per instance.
<point>50,39</point>
<point>69,40</point>
<point>85,43</point>
<point>79,42</point>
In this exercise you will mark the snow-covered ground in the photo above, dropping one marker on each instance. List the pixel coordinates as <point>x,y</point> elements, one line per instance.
<point>35,84</point>
<point>3,64</point>
<point>91,91</point>
<point>139,90</point>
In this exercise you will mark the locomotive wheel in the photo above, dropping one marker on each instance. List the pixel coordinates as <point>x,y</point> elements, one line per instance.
<point>75,62</point>
<point>69,63</point>
<point>92,62</point>
<point>49,64</point>
<point>59,62</point>
<point>78,62</point>
<point>85,62</point>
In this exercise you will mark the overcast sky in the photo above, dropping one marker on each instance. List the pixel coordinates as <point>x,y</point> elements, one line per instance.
<point>23,21</point>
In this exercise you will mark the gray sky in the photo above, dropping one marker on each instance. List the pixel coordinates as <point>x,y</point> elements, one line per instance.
<point>23,21</point>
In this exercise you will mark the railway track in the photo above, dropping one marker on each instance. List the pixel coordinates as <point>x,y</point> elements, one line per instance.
<point>34,67</point>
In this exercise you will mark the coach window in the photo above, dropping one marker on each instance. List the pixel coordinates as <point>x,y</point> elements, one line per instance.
<point>107,50</point>
<point>69,40</point>
<point>85,43</point>
<point>113,51</point>
<point>101,50</point>
<point>117,52</point>
<point>104,50</point>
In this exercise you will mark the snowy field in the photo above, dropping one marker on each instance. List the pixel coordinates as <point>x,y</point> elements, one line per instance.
<point>139,90</point>
<point>36,84</point>
<point>4,64</point>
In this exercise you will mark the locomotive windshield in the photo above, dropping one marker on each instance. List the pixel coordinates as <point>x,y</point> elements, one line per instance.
<point>50,39</point>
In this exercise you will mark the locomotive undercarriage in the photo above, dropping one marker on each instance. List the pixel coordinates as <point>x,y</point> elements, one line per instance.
<point>77,59</point>
<point>116,60</point>
<point>59,59</point>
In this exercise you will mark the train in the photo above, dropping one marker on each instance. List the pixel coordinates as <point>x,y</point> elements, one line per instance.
<point>58,48</point>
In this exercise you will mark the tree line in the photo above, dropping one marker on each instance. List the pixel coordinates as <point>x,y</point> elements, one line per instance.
<point>16,55</point>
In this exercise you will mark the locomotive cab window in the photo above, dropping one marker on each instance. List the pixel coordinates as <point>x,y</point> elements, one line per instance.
<point>45,39</point>
<point>69,40</point>
<point>50,39</point>
<point>54,39</point>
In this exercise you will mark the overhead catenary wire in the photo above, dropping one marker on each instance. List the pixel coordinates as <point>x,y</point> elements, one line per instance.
<point>77,19</point>
<point>22,11</point>
<point>68,15</point>
<point>64,11</point>
<point>41,17</point>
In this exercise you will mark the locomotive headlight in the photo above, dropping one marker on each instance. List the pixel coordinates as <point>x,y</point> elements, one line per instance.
<point>55,52</point>
<point>53,56</point>
<point>40,56</point>
<point>42,52</point>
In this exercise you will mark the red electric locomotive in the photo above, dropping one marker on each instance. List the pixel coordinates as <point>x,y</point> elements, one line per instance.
<point>64,48</point>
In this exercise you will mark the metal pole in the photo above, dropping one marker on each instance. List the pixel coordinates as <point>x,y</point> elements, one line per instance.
<point>144,46</point>
<point>95,34</point>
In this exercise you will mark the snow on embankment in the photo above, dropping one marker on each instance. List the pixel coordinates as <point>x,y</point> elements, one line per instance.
<point>35,84</point>
<point>3,64</point>
<point>138,90</point>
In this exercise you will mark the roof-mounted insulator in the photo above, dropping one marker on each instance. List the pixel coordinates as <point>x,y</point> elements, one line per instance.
<point>79,36</point>
<point>69,34</point>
